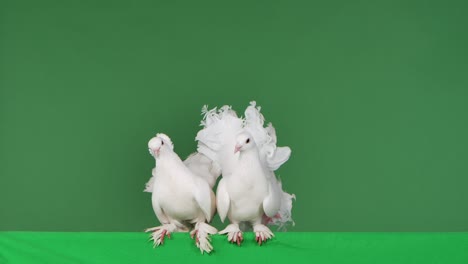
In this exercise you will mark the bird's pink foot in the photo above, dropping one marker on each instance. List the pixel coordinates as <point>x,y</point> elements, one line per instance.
<point>262,234</point>
<point>201,233</point>
<point>236,238</point>
<point>194,234</point>
<point>234,234</point>
<point>160,233</point>
<point>239,238</point>
<point>260,239</point>
<point>163,234</point>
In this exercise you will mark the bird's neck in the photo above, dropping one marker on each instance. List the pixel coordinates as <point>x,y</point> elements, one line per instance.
<point>249,155</point>
<point>169,158</point>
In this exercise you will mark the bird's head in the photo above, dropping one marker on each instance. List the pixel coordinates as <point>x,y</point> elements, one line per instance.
<point>244,141</point>
<point>161,143</point>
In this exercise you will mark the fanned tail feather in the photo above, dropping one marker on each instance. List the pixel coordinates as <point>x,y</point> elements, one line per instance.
<point>149,185</point>
<point>265,138</point>
<point>220,126</point>
<point>203,167</point>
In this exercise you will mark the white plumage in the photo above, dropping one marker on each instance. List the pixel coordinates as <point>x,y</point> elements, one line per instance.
<point>200,165</point>
<point>181,197</point>
<point>246,151</point>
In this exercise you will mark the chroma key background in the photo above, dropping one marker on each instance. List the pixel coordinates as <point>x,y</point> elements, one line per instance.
<point>371,96</point>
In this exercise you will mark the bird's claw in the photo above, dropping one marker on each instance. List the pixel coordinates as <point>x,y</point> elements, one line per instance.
<point>159,234</point>
<point>234,234</point>
<point>260,239</point>
<point>194,234</point>
<point>236,237</point>
<point>262,234</point>
<point>201,233</point>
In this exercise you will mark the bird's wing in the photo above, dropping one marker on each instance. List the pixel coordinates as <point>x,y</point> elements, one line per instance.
<point>272,202</point>
<point>222,200</point>
<point>283,216</point>
<point>202,193</point>
<point>213,204</point>
<point>265,138</point>
<point>203,167</point>
<point>158,211</point>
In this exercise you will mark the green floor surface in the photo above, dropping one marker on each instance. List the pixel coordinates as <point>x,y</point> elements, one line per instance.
<point>87,247</point>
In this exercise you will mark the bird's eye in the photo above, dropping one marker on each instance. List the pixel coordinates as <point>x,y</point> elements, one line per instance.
<point>247,141</point>
<point>162,142</point>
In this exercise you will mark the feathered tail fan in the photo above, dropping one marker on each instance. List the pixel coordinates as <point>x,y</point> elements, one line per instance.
<point>150,183</point>
<point>265,138</point>
<point>203,167</point>
<point>217,138</point>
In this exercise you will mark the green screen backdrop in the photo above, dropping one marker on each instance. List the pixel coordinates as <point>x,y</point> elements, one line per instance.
<point>370,95</point>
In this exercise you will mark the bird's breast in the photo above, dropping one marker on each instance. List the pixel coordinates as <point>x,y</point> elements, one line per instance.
<point>176,199</point>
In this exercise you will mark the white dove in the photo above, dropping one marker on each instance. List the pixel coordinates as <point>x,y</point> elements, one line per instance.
<point>180,198</point>
<point>249,191</point>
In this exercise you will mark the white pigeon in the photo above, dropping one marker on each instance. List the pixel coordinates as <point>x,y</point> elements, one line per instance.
<point>246,151</point>
<point>180,198</point>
